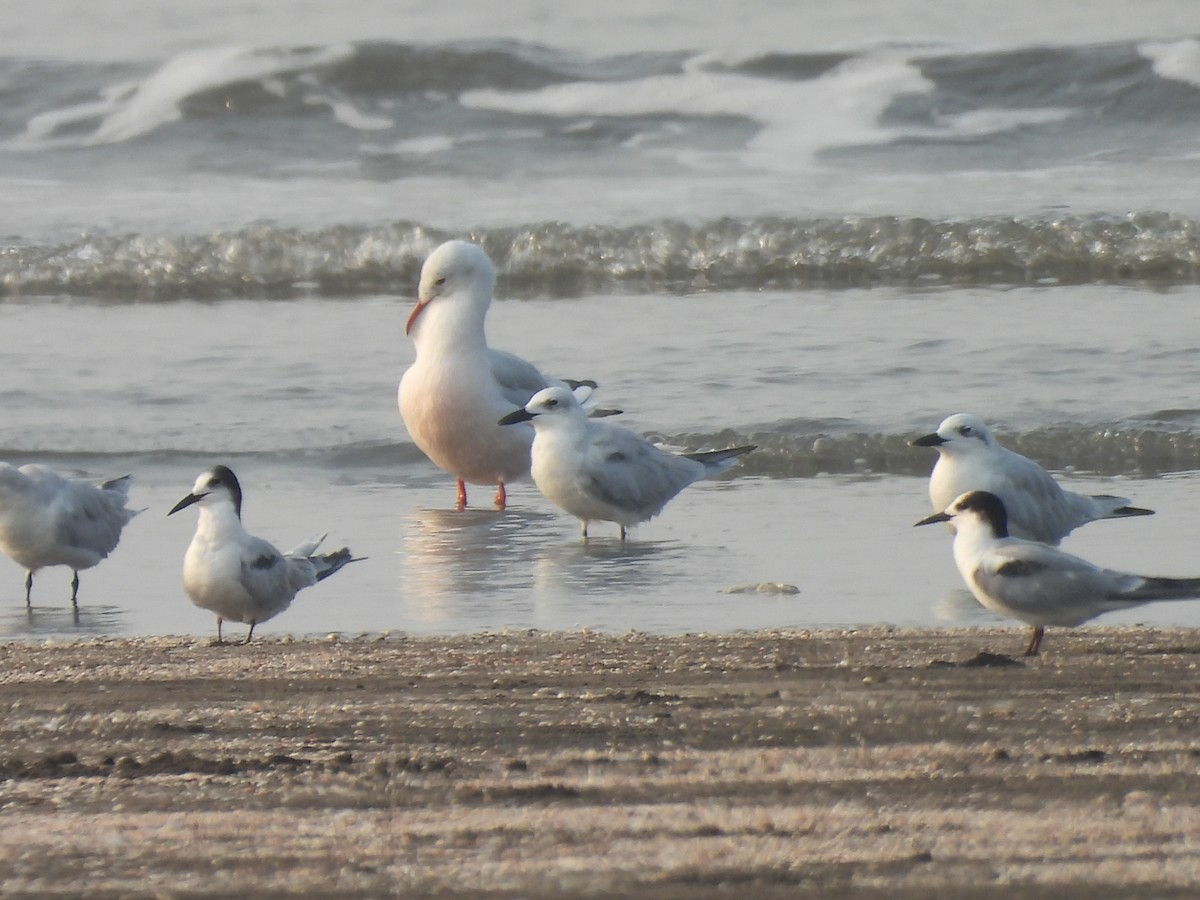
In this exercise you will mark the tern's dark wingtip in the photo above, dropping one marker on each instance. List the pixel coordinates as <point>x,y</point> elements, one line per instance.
<point>1126,511</point>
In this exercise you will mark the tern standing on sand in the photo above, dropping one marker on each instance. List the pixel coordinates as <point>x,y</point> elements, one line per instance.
<point>457,387</point>
<point>1036,583</point>
<point>48,520</point>
<point>598,471</point>
<point>970,459</point>
<point>236,575</point>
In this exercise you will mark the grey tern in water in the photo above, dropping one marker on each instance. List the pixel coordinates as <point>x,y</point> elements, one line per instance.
<point>1035,582</point>
<point>970,459</point>
<point>236,575</point>
<point>599,471</point>
<point>49,520</point>
<point>457,387</point>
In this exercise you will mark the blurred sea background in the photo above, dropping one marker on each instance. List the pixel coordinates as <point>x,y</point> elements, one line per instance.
<point>819,228</point>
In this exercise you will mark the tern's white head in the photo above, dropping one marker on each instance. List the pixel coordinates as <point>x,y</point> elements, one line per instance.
<point>457,272</point>
<point>213,488</point>
<point>973,511</point>
<point>960,433</point>
<point>548,404</point>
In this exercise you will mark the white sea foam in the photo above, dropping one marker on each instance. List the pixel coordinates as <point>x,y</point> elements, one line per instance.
<point>799,119</point>
<point>131,109</point>
<point>983,122</point>
<point>1174,60</point>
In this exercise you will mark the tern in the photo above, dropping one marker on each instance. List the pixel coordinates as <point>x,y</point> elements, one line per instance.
<point>49,520</point>
<point>599,471</point>
<point>1035,582</point>
<point>236,575</point>
<point>970,459</point>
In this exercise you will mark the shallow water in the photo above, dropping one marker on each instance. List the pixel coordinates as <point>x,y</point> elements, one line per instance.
<point>312,429</point>
<point>846,544</point>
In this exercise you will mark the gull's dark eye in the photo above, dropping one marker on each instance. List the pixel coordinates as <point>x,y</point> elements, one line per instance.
<point>440,281</point>
<point>552,402</point>
<point>965,430</point>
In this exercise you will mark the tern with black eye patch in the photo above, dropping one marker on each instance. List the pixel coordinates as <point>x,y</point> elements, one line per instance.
<point>240,577</point>
<point>600,471</point>
<point>1039,509</point>
<point>1036,583</point>
<point>48,520</point>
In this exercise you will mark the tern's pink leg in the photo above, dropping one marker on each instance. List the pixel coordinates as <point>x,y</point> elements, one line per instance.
<point>501,496</point>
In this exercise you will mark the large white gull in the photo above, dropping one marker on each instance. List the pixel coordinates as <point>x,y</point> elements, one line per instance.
<point>457,387</point>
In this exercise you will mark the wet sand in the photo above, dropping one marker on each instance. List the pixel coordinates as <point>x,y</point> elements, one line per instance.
<point>873,763</point>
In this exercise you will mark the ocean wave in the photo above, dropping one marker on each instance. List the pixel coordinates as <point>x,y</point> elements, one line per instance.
<point>1135,452</point>
<point>373,103</point>
<point>784,450</point>
<point>558,260</point>
<point>263,83</point>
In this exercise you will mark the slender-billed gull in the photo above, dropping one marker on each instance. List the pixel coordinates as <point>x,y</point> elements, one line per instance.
<point>970,459</point>
<point>48,520</point>
<point>1035,582</point>
<point>457,387</point>
<point>236,575</point>
<point>598,471</point>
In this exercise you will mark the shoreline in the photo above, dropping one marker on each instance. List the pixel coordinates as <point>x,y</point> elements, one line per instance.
<point>866,762</point>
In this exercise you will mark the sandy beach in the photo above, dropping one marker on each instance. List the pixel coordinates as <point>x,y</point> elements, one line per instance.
<point>877,762</point>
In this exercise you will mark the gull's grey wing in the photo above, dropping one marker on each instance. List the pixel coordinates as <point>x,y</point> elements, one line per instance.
<point>518,379</point>
<point>624,470</point>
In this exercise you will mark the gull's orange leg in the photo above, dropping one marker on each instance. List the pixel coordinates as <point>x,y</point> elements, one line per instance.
<point>462,494</point>
<point>501,496</point>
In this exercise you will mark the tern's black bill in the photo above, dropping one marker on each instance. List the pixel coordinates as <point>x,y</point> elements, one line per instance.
<point>186,502</point>
<point>517,415</point>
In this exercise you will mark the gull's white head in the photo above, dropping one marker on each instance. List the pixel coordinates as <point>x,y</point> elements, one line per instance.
<point>974,510</point>
<point>213,488</point>
<point>459,270</point>
<point>960,433</point>
<point>548,404</point>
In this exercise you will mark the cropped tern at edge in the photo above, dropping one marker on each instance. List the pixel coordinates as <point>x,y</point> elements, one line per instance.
<point>970,459</point>
<point>457,387</point>
<point>48,520</point>
<point>236,575</point>
<point>599,471</point>
<point>1035,582</point>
